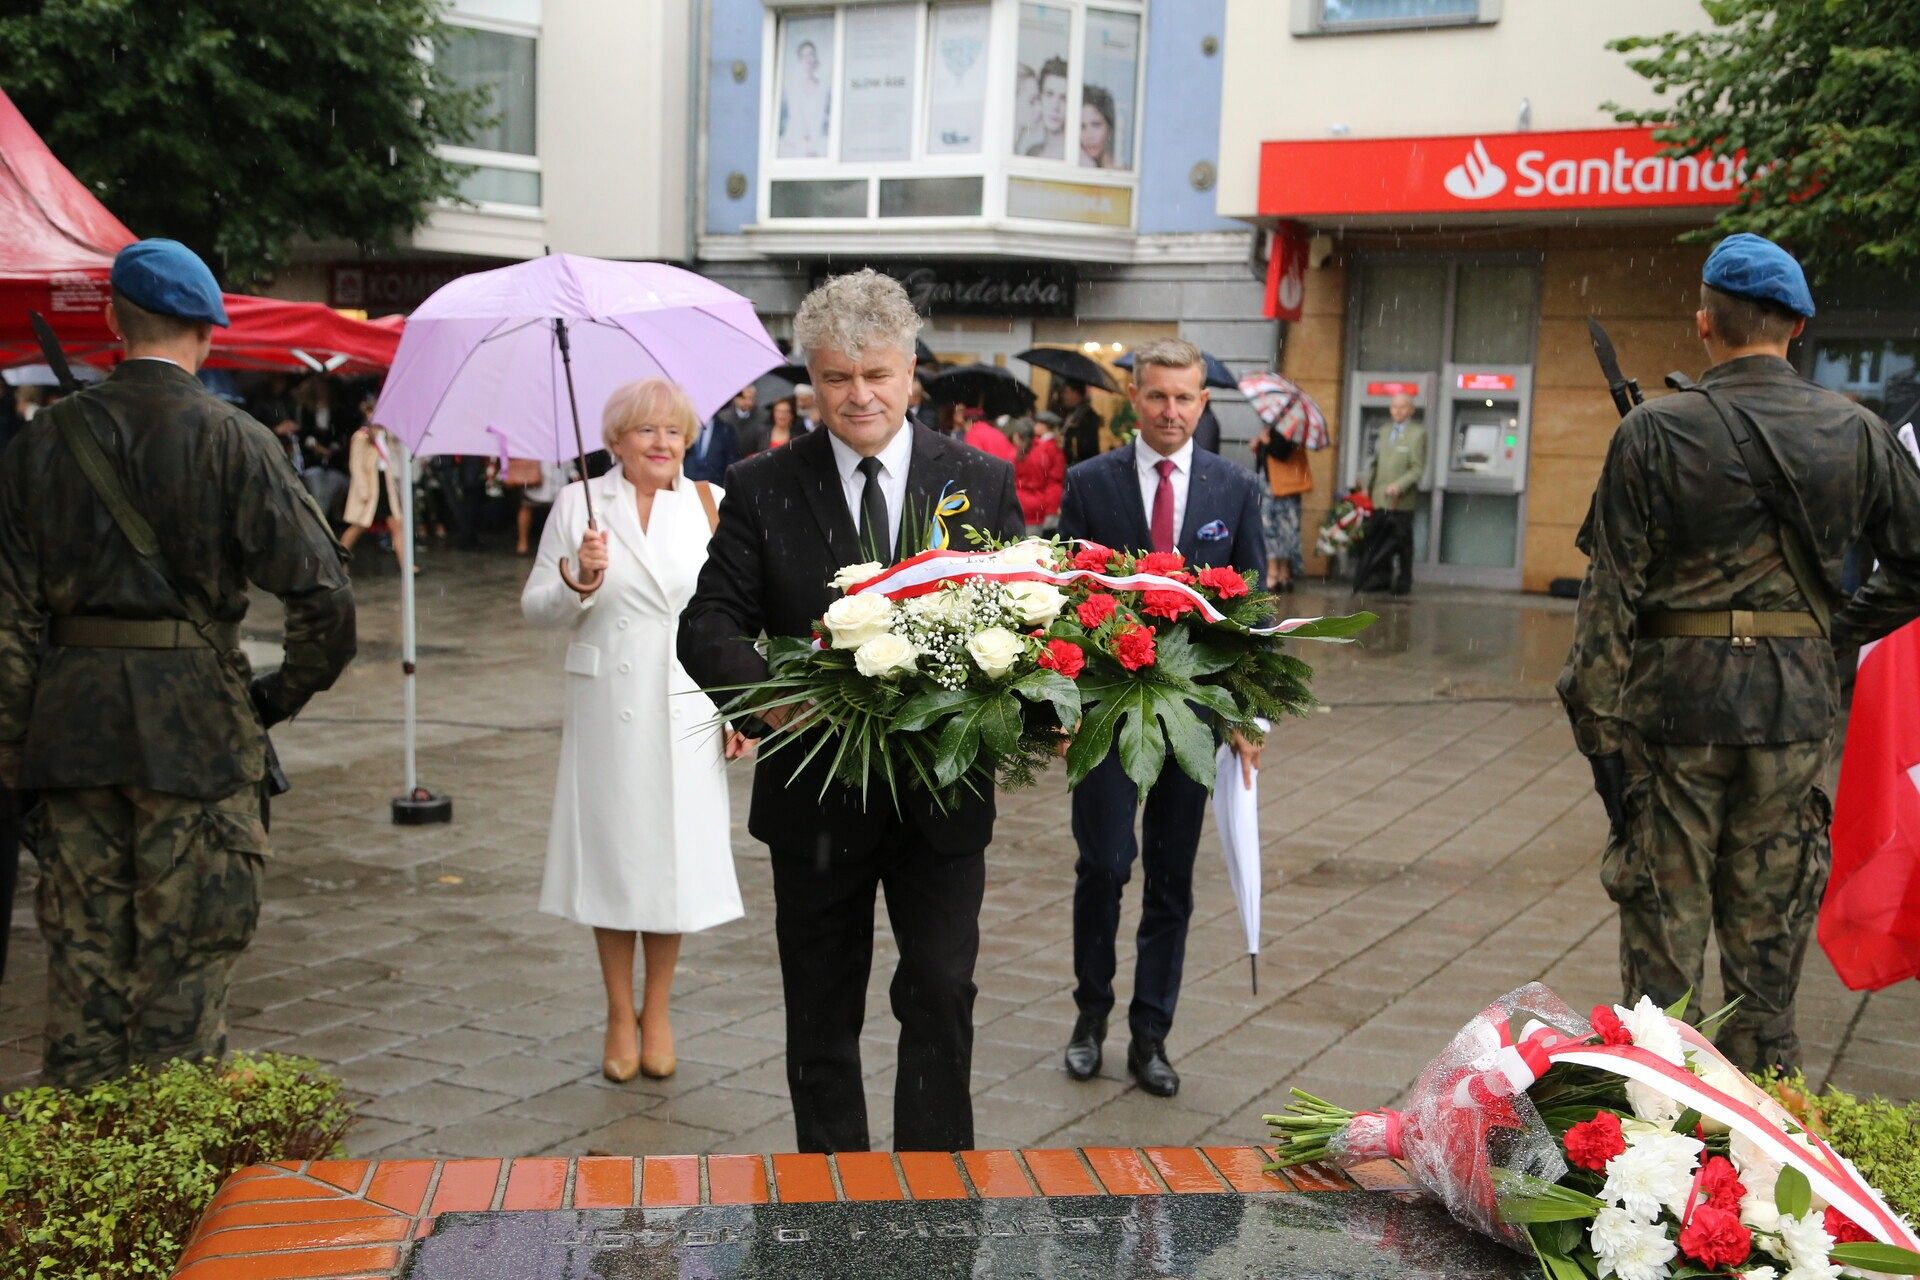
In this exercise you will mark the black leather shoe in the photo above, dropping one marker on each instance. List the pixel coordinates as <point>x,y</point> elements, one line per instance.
<point>1083,1051</point>
<point>1147,1063</point>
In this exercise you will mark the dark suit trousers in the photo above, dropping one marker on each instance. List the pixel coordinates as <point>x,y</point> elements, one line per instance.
<point>823,918</point>
<point>1386,555</point>
<point>1103,809</point>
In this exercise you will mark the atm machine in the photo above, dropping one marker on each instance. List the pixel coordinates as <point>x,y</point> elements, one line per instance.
<point>1480,471</point>
<point>1369,392</point>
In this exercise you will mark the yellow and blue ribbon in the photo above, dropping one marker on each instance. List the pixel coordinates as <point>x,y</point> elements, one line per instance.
<point>948,505</point>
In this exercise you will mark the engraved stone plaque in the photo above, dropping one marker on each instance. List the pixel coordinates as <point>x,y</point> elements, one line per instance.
<point>1321,1236</point>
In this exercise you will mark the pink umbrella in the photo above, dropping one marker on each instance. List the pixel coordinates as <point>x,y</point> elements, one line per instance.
<point>510,362</point>
<point>1283,406</point>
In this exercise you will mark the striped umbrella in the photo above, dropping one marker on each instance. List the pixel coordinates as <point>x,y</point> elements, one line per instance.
<point>1283,406</point>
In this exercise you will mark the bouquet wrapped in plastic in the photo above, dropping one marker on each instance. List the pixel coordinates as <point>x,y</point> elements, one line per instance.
<point>1619,1144</point>
<point>1345,524</point>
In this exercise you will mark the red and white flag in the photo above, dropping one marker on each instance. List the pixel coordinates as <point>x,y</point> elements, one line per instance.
<point>1870,920</point>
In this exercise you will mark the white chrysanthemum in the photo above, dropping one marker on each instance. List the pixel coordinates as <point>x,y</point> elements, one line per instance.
<point>1036,603</point>
<point>1807,1244</point>
<point>855,573</point>
<point>1647,1023</point>
<point>884,657</point>
<point>1630,1248</point>
<point>1760,1273</point>
<point>1654,1172</point>
<point>1653,1105</point>
<point>1714,1070</point>
<point>995,651</point>
<point>1758,1174</point>
<point>854,620</point>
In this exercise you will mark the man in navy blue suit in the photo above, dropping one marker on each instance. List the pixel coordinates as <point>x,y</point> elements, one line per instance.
<point>1160,493</point>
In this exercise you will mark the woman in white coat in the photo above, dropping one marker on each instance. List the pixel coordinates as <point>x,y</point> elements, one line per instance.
<point>639,841</point>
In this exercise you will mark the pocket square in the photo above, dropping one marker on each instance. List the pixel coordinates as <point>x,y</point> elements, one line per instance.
<point>1214,531</point>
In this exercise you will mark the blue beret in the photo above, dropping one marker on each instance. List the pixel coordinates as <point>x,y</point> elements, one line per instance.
<point>1750,266</point>
<point>169,279</point>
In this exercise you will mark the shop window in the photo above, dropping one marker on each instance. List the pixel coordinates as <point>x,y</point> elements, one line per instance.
<point>1881,373</point>
<point>1324,17</point>
<point>907,97</point>
<point>503,150</point>
<point>1493,310</point>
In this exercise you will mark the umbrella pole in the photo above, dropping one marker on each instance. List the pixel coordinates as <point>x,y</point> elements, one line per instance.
<point>416,806</point>
<point>579,447</point>
<point>1253,970</point>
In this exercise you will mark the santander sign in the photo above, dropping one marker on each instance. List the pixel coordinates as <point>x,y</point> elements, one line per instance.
<point>1585,169</point>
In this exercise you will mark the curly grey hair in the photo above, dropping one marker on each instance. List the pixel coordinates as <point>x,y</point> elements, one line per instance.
<point>853,312</point>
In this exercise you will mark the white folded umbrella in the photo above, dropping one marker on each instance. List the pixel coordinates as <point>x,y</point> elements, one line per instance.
<point>1236,811</point>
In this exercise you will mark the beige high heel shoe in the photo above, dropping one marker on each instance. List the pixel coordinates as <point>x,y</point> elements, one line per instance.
<point>655,1068</point>
<point>620,1070</point>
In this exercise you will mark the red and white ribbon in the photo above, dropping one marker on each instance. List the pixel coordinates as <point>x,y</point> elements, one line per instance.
<point>931,570</point>
<point>1831,1175</point>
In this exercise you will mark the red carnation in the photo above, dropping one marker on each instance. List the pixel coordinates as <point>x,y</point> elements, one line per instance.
<point>1160,562</point>
<point>1133,646</point>
<point>1714,1238</point>
<point>1096,609</point>
<point>1065,657</point>
<point>1092,557</point>
<point>1845,1230</point>
<point>1591,1143</point>
<point>1609,1027</point>
<point>1720,1183</point>
<point>1160,603</point>
<point>1227,583</point>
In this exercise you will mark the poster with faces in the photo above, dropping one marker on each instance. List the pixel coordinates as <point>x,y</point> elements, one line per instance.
<point>1103,130</point>
<point>1040,106</point>
<point>804,127</point>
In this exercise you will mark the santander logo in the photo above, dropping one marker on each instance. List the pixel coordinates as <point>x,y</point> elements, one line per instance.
<point>1477,176</point>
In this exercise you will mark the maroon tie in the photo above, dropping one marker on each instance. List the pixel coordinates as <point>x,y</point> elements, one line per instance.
<point>1162,526</point>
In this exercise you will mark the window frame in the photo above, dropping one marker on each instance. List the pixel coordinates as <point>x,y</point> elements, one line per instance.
<point>486,157</point>
<point>993,164</point>
<point>1309,19</point>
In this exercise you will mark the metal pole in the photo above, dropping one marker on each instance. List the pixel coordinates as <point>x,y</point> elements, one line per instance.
<point>580,451</point>
<point>416,806</point>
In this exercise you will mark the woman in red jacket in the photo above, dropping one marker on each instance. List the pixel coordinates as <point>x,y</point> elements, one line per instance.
<point>1040,472</point>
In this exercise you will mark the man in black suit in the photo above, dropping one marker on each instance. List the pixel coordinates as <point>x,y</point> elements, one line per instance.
<point>1159,494</point>
<point>863,489</point>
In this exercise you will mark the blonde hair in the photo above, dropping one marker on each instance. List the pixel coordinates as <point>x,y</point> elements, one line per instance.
<point>1169,353</point>
<point>656,399</point>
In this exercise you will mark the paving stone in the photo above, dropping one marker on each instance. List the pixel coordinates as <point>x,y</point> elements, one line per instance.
<point>463,1046</point>
<point>519,1074</point>
<point>436,1105</point>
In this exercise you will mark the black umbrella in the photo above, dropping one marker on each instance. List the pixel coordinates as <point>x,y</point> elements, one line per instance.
<point>1069,364</point>
<point>990,387</point>
<point>1218,375</point>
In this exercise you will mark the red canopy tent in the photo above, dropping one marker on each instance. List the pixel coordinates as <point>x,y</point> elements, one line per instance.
<point>57,243</point>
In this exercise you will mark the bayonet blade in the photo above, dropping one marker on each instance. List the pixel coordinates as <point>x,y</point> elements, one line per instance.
<point>50,348</point>
<point>1624,390</point>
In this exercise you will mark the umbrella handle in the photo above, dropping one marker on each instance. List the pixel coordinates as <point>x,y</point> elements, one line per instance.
<point>585,585</point>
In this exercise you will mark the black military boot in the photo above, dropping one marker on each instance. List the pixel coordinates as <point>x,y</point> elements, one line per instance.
<point>1147,1063</point>
<point>1083,1050</point>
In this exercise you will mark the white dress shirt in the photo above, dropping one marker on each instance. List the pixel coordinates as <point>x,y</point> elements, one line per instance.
<point>1146,463</point>
<point>894,460</point>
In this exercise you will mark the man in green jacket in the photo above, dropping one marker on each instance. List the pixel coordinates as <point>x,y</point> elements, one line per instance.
<point>1392,480</point>
<point>125,700</point>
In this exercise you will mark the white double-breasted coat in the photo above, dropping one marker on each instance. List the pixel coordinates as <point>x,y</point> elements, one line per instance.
<point>639,838</point>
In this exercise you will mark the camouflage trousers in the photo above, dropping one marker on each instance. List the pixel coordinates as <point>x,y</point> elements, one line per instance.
<point>146,900</point>
<point>1731,840</point>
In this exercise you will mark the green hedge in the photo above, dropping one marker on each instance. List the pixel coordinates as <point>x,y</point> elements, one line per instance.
<point>108,1183</point>
<point>1882,1138</point>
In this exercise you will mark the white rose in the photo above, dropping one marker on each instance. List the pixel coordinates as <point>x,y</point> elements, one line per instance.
<point>884,657</point>
<point>854,620</point>
<point>1028,553</point>
<point>856,573</point>
<point>934,607</point>
<point>995,650</point>
<point>1037,603</point>
<point>1651,1030</point>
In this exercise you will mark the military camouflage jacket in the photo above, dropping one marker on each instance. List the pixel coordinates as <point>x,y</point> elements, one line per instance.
<point>1676,525</point>
<point>228,511</point>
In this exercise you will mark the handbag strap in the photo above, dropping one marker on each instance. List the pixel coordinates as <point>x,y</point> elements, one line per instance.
<point>106,484</point>
<point>705,491</point>
<point>1763,470</point>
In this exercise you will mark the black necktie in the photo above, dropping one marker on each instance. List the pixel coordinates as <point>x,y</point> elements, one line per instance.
<point>876,534</point>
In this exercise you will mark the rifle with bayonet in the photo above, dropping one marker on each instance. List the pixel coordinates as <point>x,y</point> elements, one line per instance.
<point>1610,771</point>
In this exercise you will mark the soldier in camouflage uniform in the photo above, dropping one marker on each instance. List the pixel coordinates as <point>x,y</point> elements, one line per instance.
<point>1700,682</point>
<point>142,732</point>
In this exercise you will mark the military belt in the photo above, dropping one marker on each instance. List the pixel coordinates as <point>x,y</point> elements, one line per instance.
<point>1742,626</point>
<point>77,632</point>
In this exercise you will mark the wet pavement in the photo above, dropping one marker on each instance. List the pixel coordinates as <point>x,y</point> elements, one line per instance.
<point>1431,841</point>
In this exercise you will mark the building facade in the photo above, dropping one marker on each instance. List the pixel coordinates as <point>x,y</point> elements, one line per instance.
<point>1451,201</point>
<point>1038,174</point>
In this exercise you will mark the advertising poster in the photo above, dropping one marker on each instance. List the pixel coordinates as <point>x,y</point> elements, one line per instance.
<point>1040,84</point>
<point>877,83</point>
<point>1104,131</point>
<point>805,108</point>
<point>957,89</point>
